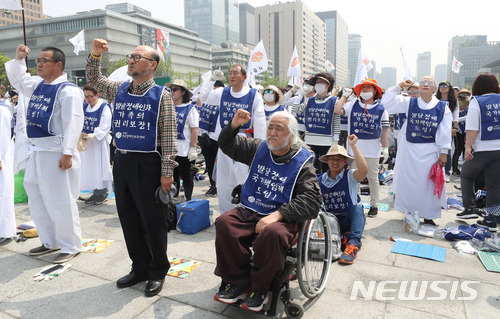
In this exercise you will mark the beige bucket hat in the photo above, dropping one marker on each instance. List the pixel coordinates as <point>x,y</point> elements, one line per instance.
<point>336,149</point>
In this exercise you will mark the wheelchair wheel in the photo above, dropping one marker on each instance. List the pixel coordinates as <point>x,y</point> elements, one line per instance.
<point>294,310</point>
<point>314,255</point>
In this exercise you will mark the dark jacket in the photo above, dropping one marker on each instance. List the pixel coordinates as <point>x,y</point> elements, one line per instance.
<point>306,196</point>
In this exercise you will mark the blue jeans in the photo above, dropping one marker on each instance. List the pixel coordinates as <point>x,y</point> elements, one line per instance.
<point>354,223</point>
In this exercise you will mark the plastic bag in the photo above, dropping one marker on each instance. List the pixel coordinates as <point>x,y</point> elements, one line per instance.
<point>411,222</point>
<point>20,195</point>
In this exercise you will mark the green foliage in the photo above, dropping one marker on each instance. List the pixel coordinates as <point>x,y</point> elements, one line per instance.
<point>3,75</point>
<point>273,81</point>
<point>109,67</point>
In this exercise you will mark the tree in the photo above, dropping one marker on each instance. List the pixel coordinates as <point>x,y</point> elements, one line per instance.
<point>273,81</point>
<point>3,75</point>
<point>110,66</point>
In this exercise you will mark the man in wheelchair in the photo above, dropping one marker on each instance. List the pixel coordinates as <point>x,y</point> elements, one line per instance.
<point>281,190</point>
<point>339,187</point>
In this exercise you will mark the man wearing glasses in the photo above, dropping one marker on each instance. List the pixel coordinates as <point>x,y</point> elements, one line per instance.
<point>144,124</point>
<point>54,121</point>
<point>424,140</point>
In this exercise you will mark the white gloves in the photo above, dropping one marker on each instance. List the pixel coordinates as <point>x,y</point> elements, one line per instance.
<point>192,154</point>
<point>89,137</point>
<point>295,88</point>
<point>385,152</point>
<point>346,92</point>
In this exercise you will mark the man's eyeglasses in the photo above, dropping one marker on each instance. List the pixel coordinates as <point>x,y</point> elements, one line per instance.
<point>412,91</point>
<point>428,82</point>
<point>137,57</point>
<point>268,91</point>
<point>43,60</point>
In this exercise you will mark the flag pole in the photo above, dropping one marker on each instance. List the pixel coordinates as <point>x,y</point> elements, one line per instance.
<point>24,34</point>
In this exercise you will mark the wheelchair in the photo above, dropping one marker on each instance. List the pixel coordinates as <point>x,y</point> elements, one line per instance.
<point>309,261</point>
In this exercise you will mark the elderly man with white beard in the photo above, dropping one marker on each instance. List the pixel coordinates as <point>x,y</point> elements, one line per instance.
<point>280,191</point>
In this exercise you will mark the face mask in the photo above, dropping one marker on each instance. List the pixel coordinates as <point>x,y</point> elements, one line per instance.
<point>306,89</point>
<point>269,97</point>
<point>320,88</point>
<point>366,95</point>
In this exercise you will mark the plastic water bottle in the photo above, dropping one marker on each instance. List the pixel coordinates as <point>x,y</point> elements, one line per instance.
<point>390,199</point>
<point>211,214</point>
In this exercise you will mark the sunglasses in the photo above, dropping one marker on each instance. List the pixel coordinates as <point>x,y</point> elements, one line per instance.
<point>174,89</point>
<point>443,85</point>
<point>428,82</point>
<point>268,91</point>
<point>413,91</point>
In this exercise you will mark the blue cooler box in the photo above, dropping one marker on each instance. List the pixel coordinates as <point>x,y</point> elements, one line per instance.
<point>193,216</point>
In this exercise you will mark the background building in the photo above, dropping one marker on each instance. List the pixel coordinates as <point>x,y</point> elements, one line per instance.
<point>440,73</point>
<point>387,77</point>
<point>124,32</point>
<point>216,21</point>
<point>126,8</point>
<point>337,45</point>
<point>353,55</point>
<point>474,52</point>
<point>33,11</point>
<point>247,25</point>
<point>285,25</point>
<point>423,64</point>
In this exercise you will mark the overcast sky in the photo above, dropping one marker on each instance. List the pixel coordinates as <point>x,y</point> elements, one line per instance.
<point>385,25</point>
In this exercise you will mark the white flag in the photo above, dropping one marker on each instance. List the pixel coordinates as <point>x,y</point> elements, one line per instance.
<point>10,4</point>
<point>364,65</point>
<point>120,75</point>
<point>258,59</point>
<point>456,65</point>
<point>407,70</point>
<point>294,67</point>
<point>78,41</point>
<point>329,66</point>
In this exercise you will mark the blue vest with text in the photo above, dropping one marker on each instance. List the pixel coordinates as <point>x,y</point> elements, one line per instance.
<point>366,126</point>
<point>208,117</point>
<point>461,125</point>
<point>135,119</point>
<point>269,184</point>
<point>40,109</point>
<point>269,113</point>
<point>229,105</point>
<point>399,120</point>
<point>92,119</point>
<point>343,120</point>
<point>422,124</point>
<point>489,105</point>
<point>182,114</point>
<point>337,198</point>
<point>319,116</point>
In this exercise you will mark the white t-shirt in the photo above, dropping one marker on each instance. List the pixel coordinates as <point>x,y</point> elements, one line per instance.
<point>370,148</point>
<point>473,123</point>
<point>192,120</point>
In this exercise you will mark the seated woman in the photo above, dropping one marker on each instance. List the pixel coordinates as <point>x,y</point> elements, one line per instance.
<point>339,187</point>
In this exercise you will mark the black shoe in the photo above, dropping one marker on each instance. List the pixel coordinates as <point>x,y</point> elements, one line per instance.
<point>90,199</point>
<point>490,225</point>
<point>99,199</point>
<point>255,301</point>
<point>211,191</point>
<point>373,212</point>
<point>153,287</point>
<point>429,222</point>
<point>5,241</point>
<point>468,213</point>
<point>130,280</point>
<point>456,172</point>
<point>231,294</point>
<point>41,250</point>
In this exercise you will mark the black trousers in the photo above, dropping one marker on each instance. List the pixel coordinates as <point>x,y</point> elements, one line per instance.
<point>209,151</point>
<point>184,171</point>
<point>489,161</point>
<point>459,140</point>
<point>318,151</point>
<point>136,177</point>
